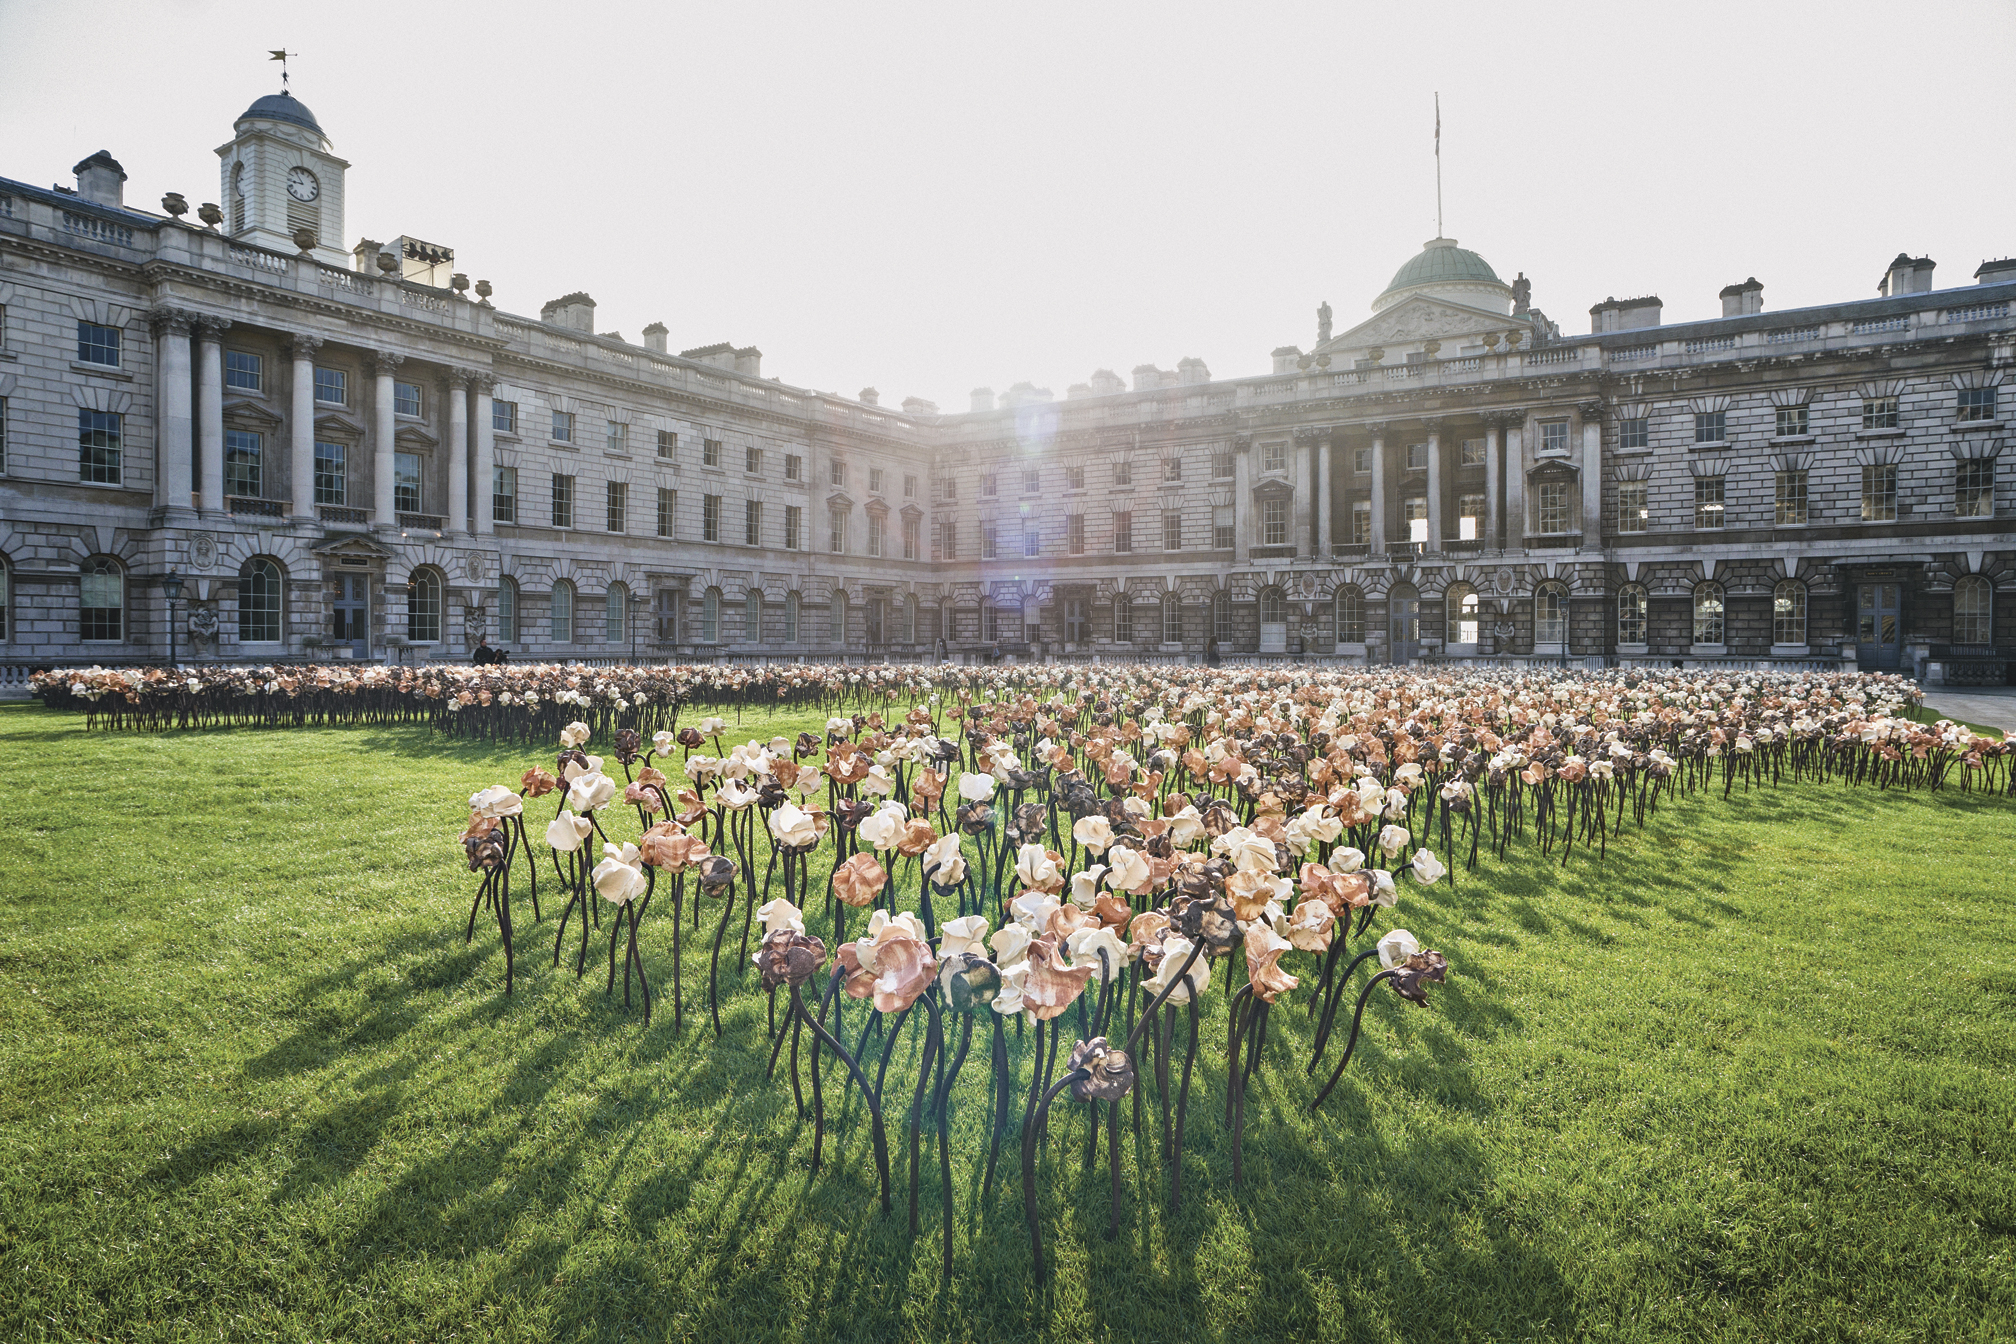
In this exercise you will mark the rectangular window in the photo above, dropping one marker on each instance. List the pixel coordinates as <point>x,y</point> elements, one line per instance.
<point>1414,510</point>
<point>948,538</point>
<point>1879,412</point>
<point>563,501</point>
<point>1032,541</point>
<point>1223,527</point>
<point>97,345</point>
<point>1553,506</point>
<point>909,486</point>
<point>1469,517</point>
<point>836,473</point>
<point>1123,472</point>
<point>1274,522</point>
<point>1074,533</point>
<point>1172,468</point>
<point>1977,403</point>
<point>504,494</point>
<point>1221,463</point>
<point>1123,620</point>
<point>1172,531</point>
<point>1708,502</point>
<point>1789,495</point>
<point>332,484</point>
<point>1274,457</point>
<point>794,467</point>
<point>950,486</point>
<point>242,454</point>
<point>1792,422</point>
<point>1123,531</point>
<point>752,522</point>
<point>1974,488</point>
<point>406,482</point>
<point>1032,480</point>
<point>101,603</point>
<point>98,447</point>
<point>836,529</point>
<point>244,372</point>
<point>752,460</point>
<point>617,440</point>
<point>668,443</point>
<point>504,417</point>
<point>1361,522</point>
<point>1879,494</point>
<point>1711,426</point>
<point>1635,432</point>
<point>406,399</point>
<point>507,611</point>
<point>989,485</point>
<point>913,538</point>
<point>1361,461</point>
<point>1172,621</point>
<point>1075,620</point>
<point>710,452</point>
<point>668,511</point>
<point>794,527</point>
<point>876,530</point>
<point>1074,478</point>
<point>874,480</point>
<point>987,541</point>
<point>710,517</point>
<point>332,386</point>
<point>1553,436</point>
<point>563,426</point>
<point>1634,512</point>
<point>1471,454</point>
<point>619,500</point>
<point>1417,457</point>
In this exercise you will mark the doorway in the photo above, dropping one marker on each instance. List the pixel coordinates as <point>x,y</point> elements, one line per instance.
<point>1403,610</point>
<point>1879,643</point>
<point>352,619</point>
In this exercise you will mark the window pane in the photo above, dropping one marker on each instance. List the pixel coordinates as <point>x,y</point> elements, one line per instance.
<point>244,372</point>
<point>98,442</point>
<point>504,494</point>
<point>259,603</point>
<point>1631,615</point>
<point>560,622</point>
<point>405,398</point>
<point>331,481</point>
<point>97,345</point>
<point>507,611</point>
<point>101,601</point>
<point>332,386</point>
<point>241,463</point>
<point>1788,613</point>
<point>406,482</point>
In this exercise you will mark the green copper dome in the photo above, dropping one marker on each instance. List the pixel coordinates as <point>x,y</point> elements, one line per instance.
<point>1441,262</point>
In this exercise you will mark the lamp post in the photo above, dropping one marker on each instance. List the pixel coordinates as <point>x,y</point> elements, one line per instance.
<point>172,588</point>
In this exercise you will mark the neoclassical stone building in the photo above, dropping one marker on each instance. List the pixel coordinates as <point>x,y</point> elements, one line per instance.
<point>350,454</point>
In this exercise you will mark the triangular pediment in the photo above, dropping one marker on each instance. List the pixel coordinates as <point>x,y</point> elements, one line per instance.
<point>351,543</point>
<point>1420,319</point>
<point>250,410</point>
<point>337,424</point>
<point>412,436</point>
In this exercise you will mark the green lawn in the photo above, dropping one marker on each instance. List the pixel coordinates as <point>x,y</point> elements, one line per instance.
<point>1753,1078</point>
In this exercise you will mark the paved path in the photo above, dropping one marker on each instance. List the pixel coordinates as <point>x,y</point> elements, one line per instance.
<point>1994,706</point>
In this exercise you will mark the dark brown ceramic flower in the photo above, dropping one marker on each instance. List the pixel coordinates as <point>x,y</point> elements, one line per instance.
<point>1412,976</point>
<point>973,818</point>
<point>1207,921</point>
<point>970,982</point>
<point>536,783</point>
<point>690,738</point>
<point>788,957</point>
<point>486,851</point>
<point>628,745</point>
<point>1109,1073</point>
<point>851,812</point>
<point>717,874</point>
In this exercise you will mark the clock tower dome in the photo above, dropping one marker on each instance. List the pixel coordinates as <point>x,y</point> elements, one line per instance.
<point>279,177</point>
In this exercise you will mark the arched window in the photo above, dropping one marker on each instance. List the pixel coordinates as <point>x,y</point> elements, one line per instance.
<point>1123,619</point>
<point>1172,619</point>
<point>752,616</point>
<point>1350,604</point>
<point>1631,601</point>
<point>1788,612</point>
<point>836,617</point>
<point>259,602</point>
<point>507,609</point>
<point>1707,613</point>
<point>1221,617</point>
<point>710,617</point>
<point>101,601</point>
<point>1273,607</point>
<point>423,606</point>
<point>1462,607</point>
<point>616,613</point>
<point>989,629</point>
<point>1973,608</point>
<point>1550,614</point>
<point>562,631</point>
<point>791,618</point>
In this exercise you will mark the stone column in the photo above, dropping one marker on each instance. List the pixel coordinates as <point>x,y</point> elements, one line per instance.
<point>1303,516</point>
<point>1242,498</point>
<point>384,366</point>
<point>1324,447</point>
<point>1592,474</point>
<point>1379,501</point>
<point>1434,424</point>
<point>458,450</point>
<point>485,469</point>
<point>173,418</point>
<point>1494,442</point>
<point>1515,483</point>
<point>210,412</point>
<point>301,426</point>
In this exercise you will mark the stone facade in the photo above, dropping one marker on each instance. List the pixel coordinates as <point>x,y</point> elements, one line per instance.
<point>345,454</point>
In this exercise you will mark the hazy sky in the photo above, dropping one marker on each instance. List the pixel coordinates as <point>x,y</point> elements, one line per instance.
<point>934,197</point>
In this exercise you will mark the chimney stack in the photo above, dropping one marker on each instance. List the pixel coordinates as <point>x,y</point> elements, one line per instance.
<point>575,311</point>
<point>654,337</point>
<point>920,408</point>
<point>101,179</point>
<point>1998,272</point>
<point>983,398</point>
<point>870,397</point>
<point>1747,297</point>
<point>1907,275</point>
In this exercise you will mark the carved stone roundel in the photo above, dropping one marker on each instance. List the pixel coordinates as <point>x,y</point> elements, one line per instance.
<point>203,550</point>
<point>1503,579</point>
<point>475,568</point>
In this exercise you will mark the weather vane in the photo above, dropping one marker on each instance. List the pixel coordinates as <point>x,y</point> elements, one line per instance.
<point>281,56</point>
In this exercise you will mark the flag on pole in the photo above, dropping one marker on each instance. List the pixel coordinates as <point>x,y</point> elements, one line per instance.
<point>281,55</point>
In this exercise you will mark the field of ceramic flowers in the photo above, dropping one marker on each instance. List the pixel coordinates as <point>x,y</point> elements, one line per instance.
<point>1064,870</point>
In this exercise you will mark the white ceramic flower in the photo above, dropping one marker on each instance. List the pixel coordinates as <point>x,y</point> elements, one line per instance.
<point>573,735</point>
<point>1428,869</point>
<point>736,795</point>
<point>1176,951</point>
<point>1036,869</point>
<point>1248,849</point>
<point>1011,946</point>
<point>663,741</point>
<point>968,933</point>
<point>496,802</point>
<point>1345,859</point>
<point>1085,886</point>
<point>1129,870</point>
<point>1032,910</point>
<point>590,791</point>
<point>1383,891</point>
<point>877,781</point>
<point>780,914</point>
<point>573,770</point>
<point>1013,978</point>
<point>883,827</point>
<point>566,832</point>
<point>943,863</point>
<point>1093,832</point>
<point>1186,826</point>
<point>1393,839</point>
<point>1396,947</point>
<point>793,828</point>
<point>1085,945</point>
<point>975,788</point>
<point>620,877</point>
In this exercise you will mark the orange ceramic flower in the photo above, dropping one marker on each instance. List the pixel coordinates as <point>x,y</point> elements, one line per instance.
<point>860,880</point>
<point>1050,988</point>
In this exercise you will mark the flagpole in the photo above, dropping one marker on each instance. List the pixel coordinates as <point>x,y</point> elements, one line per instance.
<point>1438,165</point>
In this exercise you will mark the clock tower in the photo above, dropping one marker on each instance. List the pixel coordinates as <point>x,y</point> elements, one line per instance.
<point>279,177</point>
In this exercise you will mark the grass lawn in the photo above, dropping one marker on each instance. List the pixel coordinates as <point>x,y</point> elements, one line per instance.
<point>1754,1078</point>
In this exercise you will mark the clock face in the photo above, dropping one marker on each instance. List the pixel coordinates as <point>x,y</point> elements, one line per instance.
<point>301,184</point>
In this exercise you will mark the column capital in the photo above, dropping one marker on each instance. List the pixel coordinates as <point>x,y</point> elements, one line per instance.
<point>304,346</point>
<point>166,321</point>
<point>459,378</point>
<point>1242,443</point>
<point>1590,411</point>
<point>1376,428</point>
<point>210,328</point>
<point>486,383</point>
<point>1432,423</point>
<point>1313,433</point>
<point>384,362</point>
<point>1504,419</point>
